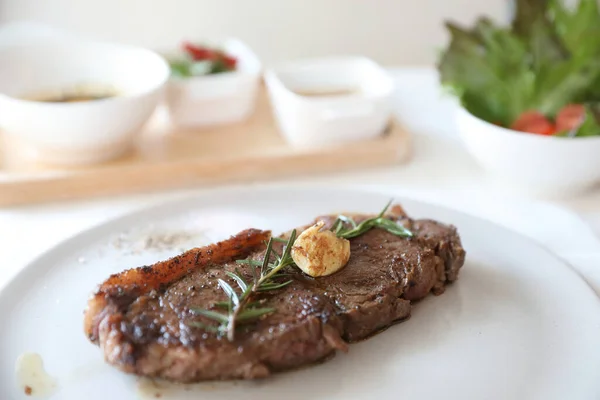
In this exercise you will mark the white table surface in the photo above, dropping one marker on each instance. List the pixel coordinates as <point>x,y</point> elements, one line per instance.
<point>440,171</point>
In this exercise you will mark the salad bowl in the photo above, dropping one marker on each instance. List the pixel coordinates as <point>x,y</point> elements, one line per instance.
<point>546,165</point>
<point>215,98</point>
<point>529,94</point>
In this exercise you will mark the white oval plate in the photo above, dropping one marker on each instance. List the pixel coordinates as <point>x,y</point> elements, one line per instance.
<point>518,324</point>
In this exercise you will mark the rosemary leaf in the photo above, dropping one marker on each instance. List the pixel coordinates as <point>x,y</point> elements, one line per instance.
<point>401,231</point>
<point>273,286</point>
<point>337,226</point>
<point>209,328</point>
<point>253,313</point>
<point>225,304</point>
<point>239,280</point>
<point>250,262</point>
<point>215,316</point>
<point>382,213</point>
<point>378,222</point>
<point>348,220</point>
<point>392,227</point>
<point>288,247</point>
<point>265,264</point>
<point>277,256</point>
<point>222,304</point>
<point>229,291</point>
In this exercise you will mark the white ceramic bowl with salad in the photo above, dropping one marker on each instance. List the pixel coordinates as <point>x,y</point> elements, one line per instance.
<point>544,165</point>
<point>212,84</point>
<point>78,102</point>
<point>530,114</point>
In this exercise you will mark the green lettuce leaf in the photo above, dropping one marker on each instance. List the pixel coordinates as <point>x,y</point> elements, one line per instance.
<point>487,68</point>
<point>591,123</point>
<point>533,26</point>
<point>578,30</point>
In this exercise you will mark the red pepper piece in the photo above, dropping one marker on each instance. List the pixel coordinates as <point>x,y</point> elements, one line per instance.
<point>198,53</point>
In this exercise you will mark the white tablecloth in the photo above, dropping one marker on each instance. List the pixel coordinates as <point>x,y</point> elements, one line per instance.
<point>441,171</point>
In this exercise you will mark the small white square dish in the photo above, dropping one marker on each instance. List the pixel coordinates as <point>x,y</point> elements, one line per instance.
<point>330,100</point>
<point>219,98</point>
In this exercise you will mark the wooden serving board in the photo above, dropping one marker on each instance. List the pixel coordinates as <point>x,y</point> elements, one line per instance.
<point>165,159</point>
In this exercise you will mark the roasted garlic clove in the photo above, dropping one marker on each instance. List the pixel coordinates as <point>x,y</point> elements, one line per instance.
<point>320,253</point>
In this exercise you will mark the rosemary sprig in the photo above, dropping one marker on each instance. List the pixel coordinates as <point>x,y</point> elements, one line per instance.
<point>239,307</point>
<point>352,229</point>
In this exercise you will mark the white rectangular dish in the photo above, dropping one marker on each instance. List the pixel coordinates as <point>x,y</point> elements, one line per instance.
<point>220,98</point>
<point>361,111</point>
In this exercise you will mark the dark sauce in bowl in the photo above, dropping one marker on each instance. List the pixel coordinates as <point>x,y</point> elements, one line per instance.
<point>71,98</point>
<point>73,95</point>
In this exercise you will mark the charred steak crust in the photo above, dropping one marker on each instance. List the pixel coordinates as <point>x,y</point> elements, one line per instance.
<point>140,317</point>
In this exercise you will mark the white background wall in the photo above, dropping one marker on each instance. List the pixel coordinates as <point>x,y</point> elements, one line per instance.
<point>391,31</point>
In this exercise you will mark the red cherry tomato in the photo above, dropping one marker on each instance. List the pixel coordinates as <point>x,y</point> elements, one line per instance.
<point>534,122</point>
<point>229,61</point>
<point>198,53</point>
<point>570,117</point>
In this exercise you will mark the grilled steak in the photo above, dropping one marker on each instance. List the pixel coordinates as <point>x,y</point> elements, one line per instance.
<point>140,318</point>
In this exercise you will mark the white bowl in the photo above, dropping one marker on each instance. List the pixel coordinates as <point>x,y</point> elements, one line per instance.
<point>539,164</point>
<point>82,132</point>
<point>308,121</point>
<point>216,99</point>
